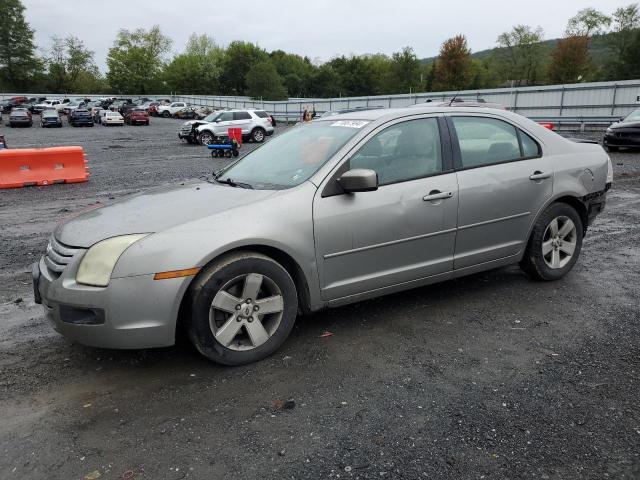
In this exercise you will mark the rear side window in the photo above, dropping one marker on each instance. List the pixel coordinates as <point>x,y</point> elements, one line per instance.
<point>261,114</point>
<point>530,147</point>
<point>486,141</point>
<point>241,116</point>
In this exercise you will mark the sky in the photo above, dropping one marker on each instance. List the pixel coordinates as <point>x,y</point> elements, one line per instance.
<point>319,29</point>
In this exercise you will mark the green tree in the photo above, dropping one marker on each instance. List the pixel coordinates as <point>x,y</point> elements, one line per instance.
<point>136,60</point>
<point>587,22</point>
<point>197,70</point>
<point>264,82</point>
<point>521,55</point>
<point>18,63</point>
<point>68,59</point>
<point>326,82</point>
<point>239,58</point>
<point>405,71</point>
<point>452,70</point>
<point>296,71</point>
<point>624,42</point>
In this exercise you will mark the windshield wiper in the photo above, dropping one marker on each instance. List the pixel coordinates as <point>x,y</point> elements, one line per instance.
<point>231,183</point>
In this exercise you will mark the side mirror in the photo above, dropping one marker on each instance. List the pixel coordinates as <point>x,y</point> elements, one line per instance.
<point>359,180</point>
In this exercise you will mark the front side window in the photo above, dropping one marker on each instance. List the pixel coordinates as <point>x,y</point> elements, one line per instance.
<point>225,117</point>
<point>401,152</point>
<point>486,141</point>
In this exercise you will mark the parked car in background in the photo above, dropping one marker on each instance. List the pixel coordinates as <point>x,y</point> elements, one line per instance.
<point>453,191</point>
<point>38,108</point>
<point>8,105</point>
<point>112,118</point>
<point>255,125</point>
<point>98,115</point>
<point>50,118</point>
<point>137,116</point>
<point>153,108</point>
<point>20,117</point>
<point>67,108</point>
<point>189,130</point>
<point>625,133</point>
<point>80,117</point>
<point>119,103</point>
<point>171,109</point>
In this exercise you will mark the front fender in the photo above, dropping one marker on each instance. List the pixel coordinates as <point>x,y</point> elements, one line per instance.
<point>283,222</point>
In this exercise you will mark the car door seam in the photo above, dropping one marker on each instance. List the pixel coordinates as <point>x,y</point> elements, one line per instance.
<point>386,244</point>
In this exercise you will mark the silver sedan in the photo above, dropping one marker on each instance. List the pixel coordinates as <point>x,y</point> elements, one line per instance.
<point>332,212</point>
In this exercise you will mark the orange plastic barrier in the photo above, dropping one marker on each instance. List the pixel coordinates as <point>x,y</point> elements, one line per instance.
<point>24,167</point>
<point>235,133</point>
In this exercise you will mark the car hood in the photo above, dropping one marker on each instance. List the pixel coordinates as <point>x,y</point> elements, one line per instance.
<point>625,125</point>
<point>155,210</point>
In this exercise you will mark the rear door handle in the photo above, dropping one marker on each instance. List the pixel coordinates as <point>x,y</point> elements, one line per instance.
<point>538,175</point>
<point>437,195</point>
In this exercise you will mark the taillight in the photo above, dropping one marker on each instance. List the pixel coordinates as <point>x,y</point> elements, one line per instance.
<point>547,125</point>
<point>270,119</point>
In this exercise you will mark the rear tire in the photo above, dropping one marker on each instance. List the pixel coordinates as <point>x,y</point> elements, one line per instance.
<point>258,135</point>
<point>555,243</point>
<point>226,300</point>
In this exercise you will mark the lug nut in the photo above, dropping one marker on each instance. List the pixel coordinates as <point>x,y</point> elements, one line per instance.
<point>238,307</point>
<point>250,319</point>
<point>240,318</point>
<point>248,300</point>
<point>256,308</point>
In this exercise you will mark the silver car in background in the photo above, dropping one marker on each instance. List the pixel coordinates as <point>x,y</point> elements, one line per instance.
<point>332,212</point>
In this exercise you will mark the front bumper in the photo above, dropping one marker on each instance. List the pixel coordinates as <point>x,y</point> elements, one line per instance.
<point>131,312</point>
<point>621,139</point>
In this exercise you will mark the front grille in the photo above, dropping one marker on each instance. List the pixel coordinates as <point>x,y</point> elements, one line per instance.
<point>58,256</point>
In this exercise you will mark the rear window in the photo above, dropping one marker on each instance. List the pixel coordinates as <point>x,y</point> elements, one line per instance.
<point>261,114</point>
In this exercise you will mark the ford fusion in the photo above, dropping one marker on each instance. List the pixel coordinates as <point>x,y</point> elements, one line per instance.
<point>342,209</point>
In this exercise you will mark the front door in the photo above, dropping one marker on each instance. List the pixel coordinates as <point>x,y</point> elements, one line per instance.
<point>401,232</point>
<point>503,181</point>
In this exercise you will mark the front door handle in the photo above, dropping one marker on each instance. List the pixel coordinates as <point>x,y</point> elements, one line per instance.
<point>538,175</point>
<point>437,195</point>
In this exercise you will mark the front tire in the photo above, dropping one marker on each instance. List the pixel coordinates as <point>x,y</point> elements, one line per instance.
<point>555,243</point>
<point>166,114</point>
<point>243,307</point>
<point>206,138</point>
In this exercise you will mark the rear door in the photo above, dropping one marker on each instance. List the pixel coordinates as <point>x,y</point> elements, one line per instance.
<point>242,119</point>
<point>504,178</point>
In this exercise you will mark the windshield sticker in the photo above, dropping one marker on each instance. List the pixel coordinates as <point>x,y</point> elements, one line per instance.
<point>349,123</point>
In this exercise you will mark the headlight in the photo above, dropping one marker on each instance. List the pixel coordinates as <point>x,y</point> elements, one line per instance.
<point>609,130</point>
<point>98,263</point>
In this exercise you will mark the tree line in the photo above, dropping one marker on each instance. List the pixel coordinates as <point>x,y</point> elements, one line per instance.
<point>140,62</point>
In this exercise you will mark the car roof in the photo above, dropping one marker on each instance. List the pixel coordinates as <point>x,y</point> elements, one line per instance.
<point>379,113</point>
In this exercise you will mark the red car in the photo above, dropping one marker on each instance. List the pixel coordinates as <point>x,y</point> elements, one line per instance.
<point>153,108</point>
<point>138,116</point>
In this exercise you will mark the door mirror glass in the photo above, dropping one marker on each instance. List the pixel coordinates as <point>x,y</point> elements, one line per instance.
<point>359,180</point>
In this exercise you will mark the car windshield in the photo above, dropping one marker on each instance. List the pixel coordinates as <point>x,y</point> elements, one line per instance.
<point>211,117</point>
<point>633,116</point>
<point>49,113</point>
<point>291,158</point>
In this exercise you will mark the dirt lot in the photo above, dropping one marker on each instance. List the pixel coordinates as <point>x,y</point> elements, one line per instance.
<point>491,376</point>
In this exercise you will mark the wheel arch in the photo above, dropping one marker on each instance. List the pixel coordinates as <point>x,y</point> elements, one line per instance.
<point>280,256</point>
<point>573,200</point>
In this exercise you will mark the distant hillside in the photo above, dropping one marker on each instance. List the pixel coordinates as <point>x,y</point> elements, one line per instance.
<point>599,49</point>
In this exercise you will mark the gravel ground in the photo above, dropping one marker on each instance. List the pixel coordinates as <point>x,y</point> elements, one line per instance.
<point>489,376</point>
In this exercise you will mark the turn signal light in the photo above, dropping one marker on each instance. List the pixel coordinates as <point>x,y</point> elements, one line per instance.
<point>176,273</point>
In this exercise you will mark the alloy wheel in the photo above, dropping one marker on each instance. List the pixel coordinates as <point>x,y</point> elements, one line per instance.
<point>559,242</point>
<point>246,312</point>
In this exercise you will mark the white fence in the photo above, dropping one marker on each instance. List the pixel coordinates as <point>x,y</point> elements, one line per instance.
<point>581,103</point>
